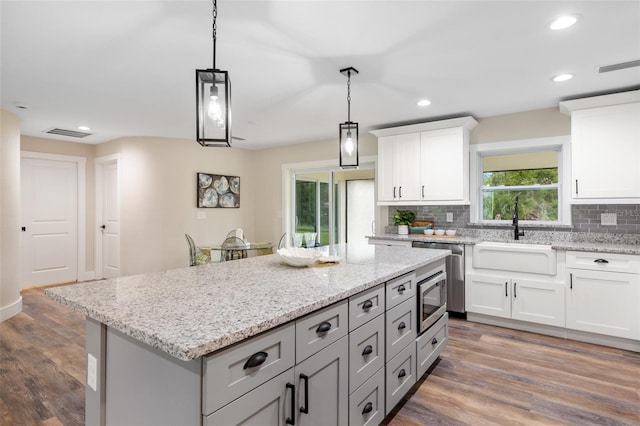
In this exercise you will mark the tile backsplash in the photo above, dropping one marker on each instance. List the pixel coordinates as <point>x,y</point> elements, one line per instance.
<point>584,217</point>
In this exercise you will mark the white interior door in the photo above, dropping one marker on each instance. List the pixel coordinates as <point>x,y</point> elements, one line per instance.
<point>108,218</point>
<point>50,221</point>
<point>360,208</point>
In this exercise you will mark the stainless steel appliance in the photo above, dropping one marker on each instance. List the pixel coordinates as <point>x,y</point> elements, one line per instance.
<point>455,274</point>
<point>432,298</point>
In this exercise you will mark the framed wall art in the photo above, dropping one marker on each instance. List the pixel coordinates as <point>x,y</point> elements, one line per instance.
<point>218,191</point>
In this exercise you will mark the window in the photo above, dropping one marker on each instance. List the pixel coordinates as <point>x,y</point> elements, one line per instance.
<point>532,170</point>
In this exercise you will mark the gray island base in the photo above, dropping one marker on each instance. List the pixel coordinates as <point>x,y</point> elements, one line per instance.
<point>258,342</point>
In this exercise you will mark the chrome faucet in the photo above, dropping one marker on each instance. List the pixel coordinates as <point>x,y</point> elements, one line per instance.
<point>516,232</point>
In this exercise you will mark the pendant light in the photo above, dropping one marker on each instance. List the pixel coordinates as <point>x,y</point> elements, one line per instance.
<point>348,130</point>
<point>213,101</point>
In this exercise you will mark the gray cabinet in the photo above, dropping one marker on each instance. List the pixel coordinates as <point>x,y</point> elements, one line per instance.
<point>401,375</point>
<point>431,344</point>
<point>366,404</point>
<point>366,352</point>
<point>322,386</point>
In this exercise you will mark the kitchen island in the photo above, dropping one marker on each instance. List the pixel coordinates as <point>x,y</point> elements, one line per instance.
<point>150,336</point>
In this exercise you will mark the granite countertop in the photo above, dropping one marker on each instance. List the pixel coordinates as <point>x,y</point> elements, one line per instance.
<point>190,312</point>
<point>557,244</point>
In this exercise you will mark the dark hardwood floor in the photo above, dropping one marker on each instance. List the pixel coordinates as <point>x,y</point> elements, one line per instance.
<point>486,376</point>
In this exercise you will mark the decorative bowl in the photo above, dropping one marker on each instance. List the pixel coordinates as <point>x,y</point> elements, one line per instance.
<point>439,231</point>
<point>298,256</point>
<point>428,232</point>
<point>450,232</point>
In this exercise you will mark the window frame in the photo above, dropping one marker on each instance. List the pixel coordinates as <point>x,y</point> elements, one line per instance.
<point>477,152</point>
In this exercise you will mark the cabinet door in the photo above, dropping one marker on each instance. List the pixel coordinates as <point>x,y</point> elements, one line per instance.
<point>407,167</point>
<point>604,303</point>
<point>268,404</point>
<point>605,152</point>
<point>539,302</point>
<point>488,295</point>
<point>445,165</point>
<point>385,178</point>
<point>322,386</point>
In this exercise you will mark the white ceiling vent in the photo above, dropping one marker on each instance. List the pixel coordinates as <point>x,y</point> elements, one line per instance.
<point>66,132</point>
<point>617,67</point>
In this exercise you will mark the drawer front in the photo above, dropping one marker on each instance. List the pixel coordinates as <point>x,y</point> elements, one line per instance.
<point>603,262</point>
<point>431,344</point>
<point>401,289</point>
<point>229,374</point>
<point>366,352</point>
<point>401,375</point>
<point>366,404</point>
<point>320,329</point>
<point>366,306</point>
<point>401,323</point>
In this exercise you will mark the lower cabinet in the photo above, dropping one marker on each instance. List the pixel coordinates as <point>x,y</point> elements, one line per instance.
<point>366,404</point>
<point>431,343</point>
<point>535,301</point>
<point>400,375</point>
<point>269,404</point>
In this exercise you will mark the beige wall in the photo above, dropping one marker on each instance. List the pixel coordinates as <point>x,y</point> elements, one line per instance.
<point>10,299</point>
<point>540,123</point>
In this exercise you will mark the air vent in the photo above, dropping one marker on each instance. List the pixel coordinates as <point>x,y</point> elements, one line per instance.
<point>620,66</point>
<point>66,132</point>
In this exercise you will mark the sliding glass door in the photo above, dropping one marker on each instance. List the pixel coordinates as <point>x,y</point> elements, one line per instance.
<point>313,206</point>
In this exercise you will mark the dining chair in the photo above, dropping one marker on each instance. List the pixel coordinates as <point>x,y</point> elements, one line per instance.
<point>237,232</point>
<point>233,248</point>
<point>196,256</point>
<point>283,241</point>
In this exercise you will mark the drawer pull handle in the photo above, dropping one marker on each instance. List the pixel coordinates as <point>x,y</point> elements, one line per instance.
<point>323,327</point>
<point>401,374</point>
<point>401,288</point>
<point>434,341</point>
<point>292,419</point>
<point>601,261</point>
<point>368,407</point>
<point>402,326</point>
<point>305,409</point>
<point>368,304</point>
<point>256,359</point>
<point>367,350</point>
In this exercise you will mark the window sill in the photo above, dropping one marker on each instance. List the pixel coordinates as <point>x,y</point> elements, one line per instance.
<point>543,226</point>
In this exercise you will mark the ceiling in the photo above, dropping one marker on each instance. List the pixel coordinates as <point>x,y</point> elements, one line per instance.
<point>127,68</point>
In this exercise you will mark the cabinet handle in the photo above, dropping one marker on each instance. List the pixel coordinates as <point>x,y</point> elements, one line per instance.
<point>399,192</point>
<point>368,407</point>
<point>23,229</point>
<point>305,409</point>
<point>255,360</point>
<point>506,290</point>
<point>601,261</point>
<point>571,281</point>
<point>402,326</point>
<point>434,341</point>
<point>291,420</point>
<point>422,191</point>
<point>367,350</point>
<point>401,288</point>
<point>401,374</point>
<point>323,327</point>
<point>576,186</point>
<point>515,290</point>
<point>394,192</point>
<point>368,304</point>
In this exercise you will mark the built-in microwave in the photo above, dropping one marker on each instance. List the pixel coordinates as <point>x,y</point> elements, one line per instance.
<point>432,299</point>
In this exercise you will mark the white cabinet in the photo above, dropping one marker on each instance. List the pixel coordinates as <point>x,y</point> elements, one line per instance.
<point>424,163</point>
<point>605,148</point>
<point>444,165</point>
<point>529,300</point>
<point>399,167</point>
<point>600,299</point>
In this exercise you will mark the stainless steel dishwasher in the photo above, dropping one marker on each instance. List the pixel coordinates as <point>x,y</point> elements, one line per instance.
<point>455,274</point>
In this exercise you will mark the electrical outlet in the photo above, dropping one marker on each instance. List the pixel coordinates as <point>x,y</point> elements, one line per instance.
<point>608,219</point>
<point>201,215</point>
<point>92,372</point>
<point>449,217</point>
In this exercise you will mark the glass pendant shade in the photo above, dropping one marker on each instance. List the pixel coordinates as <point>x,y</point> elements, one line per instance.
<point>213,103</point>
<point>349,145</point>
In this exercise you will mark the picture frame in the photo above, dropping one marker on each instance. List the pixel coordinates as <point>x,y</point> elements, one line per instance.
<point>217,191</point>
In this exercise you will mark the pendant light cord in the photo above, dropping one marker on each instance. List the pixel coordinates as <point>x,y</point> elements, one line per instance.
<point>214,14</point>
<point>348,96</point>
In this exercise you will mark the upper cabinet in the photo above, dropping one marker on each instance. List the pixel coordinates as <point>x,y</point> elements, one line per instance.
<point>424,163</point>
<point>605,147</point>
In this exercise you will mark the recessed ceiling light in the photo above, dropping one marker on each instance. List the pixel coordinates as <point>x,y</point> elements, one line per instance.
<point>85,128</point>
<point>563,22</point>
<point>424,102</point>
<point>562,77</point>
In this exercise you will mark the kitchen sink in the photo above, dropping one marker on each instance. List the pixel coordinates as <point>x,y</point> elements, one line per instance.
<point>517,257</point>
